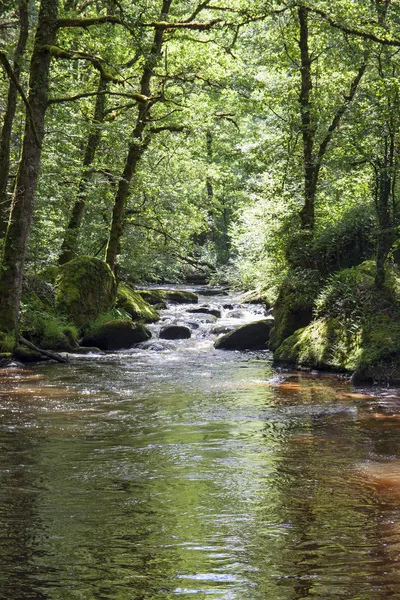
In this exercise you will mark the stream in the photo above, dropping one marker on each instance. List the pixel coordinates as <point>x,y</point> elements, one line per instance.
<point>177,471</point>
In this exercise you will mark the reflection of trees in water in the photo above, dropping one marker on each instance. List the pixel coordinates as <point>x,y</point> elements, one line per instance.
<point>329,541</point>
<point>21,527</point>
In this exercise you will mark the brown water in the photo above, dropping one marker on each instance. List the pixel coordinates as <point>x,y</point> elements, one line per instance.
<point>178,472</point>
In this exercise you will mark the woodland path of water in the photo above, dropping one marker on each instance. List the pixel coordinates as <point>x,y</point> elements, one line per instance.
<point>176,471</point>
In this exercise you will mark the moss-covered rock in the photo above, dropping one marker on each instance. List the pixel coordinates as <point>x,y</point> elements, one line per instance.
<point>159,296</point>
<point>116,335</point>
<point>250,336</point>
<point>85,287</point>
<point>294,305</point>
<point>179,296</point>
<point>153,297</point>
<point>134,304</point>
<point>357,328</point>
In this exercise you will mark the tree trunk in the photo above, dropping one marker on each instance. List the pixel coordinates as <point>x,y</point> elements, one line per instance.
<point>307,214</point>
<point>68,248</point>
<point>5,140</point>
<point>385,236</point>
<point>137,146</point>
<point>22,203</point>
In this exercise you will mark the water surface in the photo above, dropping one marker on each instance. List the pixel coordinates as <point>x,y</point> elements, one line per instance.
<point>176,471</point>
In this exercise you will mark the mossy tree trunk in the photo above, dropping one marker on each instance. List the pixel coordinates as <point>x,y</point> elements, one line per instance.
<point>5,140</point>
<point>138,144</point>
<point>23,197</point>
<point>69,246</point>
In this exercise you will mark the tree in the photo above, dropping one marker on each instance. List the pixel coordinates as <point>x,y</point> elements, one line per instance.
<point>5,139</point>
<point>23,197</point>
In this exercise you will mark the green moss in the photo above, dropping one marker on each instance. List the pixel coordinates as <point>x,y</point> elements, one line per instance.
<point>294,305</point>
<point>153,297</point>
<point>357,328</point>
<point>116,335</point>
<point>7,342</point>
<point>323,344</point>
<point>132,302</point>
<point>40,324</point>
<point>85,287</point>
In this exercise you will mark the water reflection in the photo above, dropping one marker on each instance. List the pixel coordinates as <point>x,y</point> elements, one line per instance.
<point>194,473</point>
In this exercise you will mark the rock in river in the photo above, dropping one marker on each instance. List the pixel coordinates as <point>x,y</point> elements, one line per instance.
<point>251,336</point>
<point>116,335</point>
<point>206,310</point>
<point>175,332</point>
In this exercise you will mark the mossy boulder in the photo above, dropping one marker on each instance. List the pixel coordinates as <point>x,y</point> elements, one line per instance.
<point>116,335</point>
<point>85,287</point>
<point>251,336</point>
<point>153,297</point>
<point>134,304</point>
<point>160,296</point>
<point>294,306</point>
<point>356,329</point>
<point>179,296</point>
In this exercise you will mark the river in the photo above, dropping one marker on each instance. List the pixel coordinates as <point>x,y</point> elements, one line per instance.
<point>176,471</point>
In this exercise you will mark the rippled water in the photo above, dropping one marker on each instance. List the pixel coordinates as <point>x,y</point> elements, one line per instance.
<point>177,471</point>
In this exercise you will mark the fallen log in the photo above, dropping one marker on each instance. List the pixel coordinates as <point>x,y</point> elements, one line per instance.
<point>47,353</point>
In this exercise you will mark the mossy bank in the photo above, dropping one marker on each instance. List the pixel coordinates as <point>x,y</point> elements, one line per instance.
<point>355,327</point>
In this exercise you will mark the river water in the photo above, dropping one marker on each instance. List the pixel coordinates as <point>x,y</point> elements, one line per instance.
<point>176,471</point>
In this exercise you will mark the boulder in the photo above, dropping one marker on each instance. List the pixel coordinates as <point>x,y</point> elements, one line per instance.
<point>254,297</point>
<point>116,335</point>
<point>153,297</point>
<point>175,332</point>
<point>179,296</point>
<point>134,304</point>
<point>85,287</point>
<point>212,291</point>
<point>356,329</point>
<point>87,350</point>
<point>251,336</point>
<point>219,329</point>
<point>295,304</point>
<point>206,310</point>
<point>234,314</point>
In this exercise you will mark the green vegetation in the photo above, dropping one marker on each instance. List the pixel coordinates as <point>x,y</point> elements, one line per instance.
<point>134,304</point>
<point>247,143</point>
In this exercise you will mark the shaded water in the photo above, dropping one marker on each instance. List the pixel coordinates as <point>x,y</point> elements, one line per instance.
<point>176,471</point>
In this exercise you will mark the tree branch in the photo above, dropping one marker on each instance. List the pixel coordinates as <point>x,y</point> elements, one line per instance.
<point>137,97</point>
<point>354,31</point>
<point>165,26</point>
<point>340,112</point>
<point>58,52</point>
<point>89,22</point>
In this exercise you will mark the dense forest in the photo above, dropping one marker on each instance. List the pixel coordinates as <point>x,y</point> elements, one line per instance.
<point>255,144</point>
